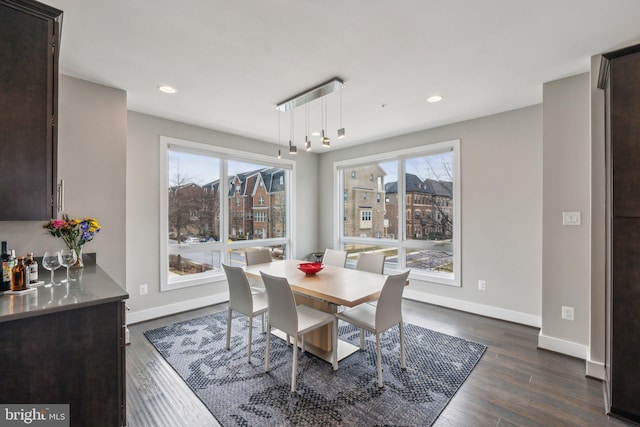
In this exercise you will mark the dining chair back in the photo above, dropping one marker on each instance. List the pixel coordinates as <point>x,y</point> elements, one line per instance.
<point>389,307</point>
<point>377,319</point>
<point>257,256</point>
<point>371,262</point>
<point>334,257</point>
<point>244,301</point>
<point>294,320</point>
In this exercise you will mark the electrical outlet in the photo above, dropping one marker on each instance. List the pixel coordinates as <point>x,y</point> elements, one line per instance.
<point>144,289</point>
<point>567,312</point>
<point>482,285</point>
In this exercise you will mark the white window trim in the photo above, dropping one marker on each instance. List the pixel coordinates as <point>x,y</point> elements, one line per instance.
<point>338,225</point>
<point>224,246</point>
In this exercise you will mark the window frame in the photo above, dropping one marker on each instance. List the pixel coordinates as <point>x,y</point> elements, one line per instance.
<point>402,243</point>
<point>224,246</point>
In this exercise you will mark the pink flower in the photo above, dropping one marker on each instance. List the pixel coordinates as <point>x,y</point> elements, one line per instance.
<point>59,223</point>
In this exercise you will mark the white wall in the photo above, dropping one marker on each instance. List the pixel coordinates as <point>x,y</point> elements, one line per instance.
<point>109,160</point>
<point>143,214</point>
<point>91,159</point>
<point>567,187</point>
<point>501,178</point>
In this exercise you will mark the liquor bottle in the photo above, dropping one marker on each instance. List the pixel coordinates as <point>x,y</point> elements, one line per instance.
<point>20,276</point>
<point>32,265</point>
<point>7,266</point>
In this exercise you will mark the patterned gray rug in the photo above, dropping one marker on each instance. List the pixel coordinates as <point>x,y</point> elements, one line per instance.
<point>241,394</point>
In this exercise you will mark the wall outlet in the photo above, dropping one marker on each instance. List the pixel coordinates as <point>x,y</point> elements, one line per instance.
<point>144,289</point>
<point>482,285</point>
<point>567,312</point>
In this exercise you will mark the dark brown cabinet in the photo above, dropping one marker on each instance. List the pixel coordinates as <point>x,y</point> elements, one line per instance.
<point>620,77</point>
<point>66,345</point>
<point>29,45</point>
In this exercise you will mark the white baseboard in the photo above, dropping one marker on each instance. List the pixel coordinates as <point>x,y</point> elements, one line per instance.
<point>563,346</point>
<point>475,308</point>
<point>595,370</point>
<point>179,307</point>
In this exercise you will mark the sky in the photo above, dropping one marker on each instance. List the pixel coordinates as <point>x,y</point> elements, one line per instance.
<point>202,169</point>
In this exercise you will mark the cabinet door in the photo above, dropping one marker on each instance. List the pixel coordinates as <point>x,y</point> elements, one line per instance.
<point>625,135</point>
<point>625,317</point>
<point>28,108</point>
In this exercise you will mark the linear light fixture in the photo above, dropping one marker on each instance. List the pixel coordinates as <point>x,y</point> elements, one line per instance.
<point>311,95</point>
<point>305,98</point>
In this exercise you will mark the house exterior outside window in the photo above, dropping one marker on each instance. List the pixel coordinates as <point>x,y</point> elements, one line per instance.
<point>423,183</point>
<point>244,202</point>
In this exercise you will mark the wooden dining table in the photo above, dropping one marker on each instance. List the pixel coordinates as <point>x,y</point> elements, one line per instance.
<point>326,290</point>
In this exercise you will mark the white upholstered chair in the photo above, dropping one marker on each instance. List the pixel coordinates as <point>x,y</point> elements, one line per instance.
<point>371,262</point>
<point>377,319</point>
<point>334,257</point>
<point>258,256</point>
<point>243,300</point>
<point>293,320</point>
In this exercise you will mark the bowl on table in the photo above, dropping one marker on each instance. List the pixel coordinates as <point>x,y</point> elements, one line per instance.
<point>310,268</point>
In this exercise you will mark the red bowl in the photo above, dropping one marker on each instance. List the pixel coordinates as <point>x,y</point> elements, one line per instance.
<point>310,268</point>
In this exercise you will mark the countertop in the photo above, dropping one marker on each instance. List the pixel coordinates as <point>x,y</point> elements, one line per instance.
<point>92,287</point>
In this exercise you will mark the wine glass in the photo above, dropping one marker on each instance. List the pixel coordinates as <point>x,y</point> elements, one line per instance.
<point>68,258</point>
<point>51,261</point>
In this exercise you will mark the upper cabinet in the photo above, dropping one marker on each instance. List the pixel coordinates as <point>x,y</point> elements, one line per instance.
<point>29,42</point>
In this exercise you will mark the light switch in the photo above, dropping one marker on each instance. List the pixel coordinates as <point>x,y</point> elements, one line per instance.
<point>571,218</point>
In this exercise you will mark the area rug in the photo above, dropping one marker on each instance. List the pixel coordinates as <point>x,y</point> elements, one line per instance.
<point>239,393</point>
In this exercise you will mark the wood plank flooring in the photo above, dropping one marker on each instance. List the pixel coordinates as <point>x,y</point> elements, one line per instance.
<point>514,384</point>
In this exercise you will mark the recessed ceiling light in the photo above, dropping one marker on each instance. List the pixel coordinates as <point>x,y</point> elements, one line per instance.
<point>167,89</point>
<point>434,98</point>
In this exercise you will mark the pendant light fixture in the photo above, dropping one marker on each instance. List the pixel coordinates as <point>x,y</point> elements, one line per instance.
<point>279,152</point>
<point>307,142</point>
<point>292,148</point>
<point>326,141</point>
<point>306,97</point>
<point>341,132</point>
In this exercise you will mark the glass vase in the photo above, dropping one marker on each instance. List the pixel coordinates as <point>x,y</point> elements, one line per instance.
<point>79,262</point>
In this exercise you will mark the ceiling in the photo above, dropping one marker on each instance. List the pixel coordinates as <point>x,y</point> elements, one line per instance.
<point>233,61</point>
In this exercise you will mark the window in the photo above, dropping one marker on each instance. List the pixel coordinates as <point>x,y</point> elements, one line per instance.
<point>261,201</point>
<point>206,219</point>
<point>425,240</point>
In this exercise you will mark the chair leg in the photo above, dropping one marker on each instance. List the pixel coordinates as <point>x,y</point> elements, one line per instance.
<point>250,336</point>
<point>229,330</point>
<point>303,341</point>
<point>402,356</point>
<point>379,360</point>
<point>294,364</point>
<point>361,339</point>
<point>264,323</point>
<point>334,343</point>
<point>266,350</point>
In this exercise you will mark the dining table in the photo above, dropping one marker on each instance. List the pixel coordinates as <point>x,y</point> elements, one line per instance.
<point>325,290</point>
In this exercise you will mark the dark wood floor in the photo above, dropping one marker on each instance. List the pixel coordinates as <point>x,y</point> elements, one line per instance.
<point>515,384</point>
